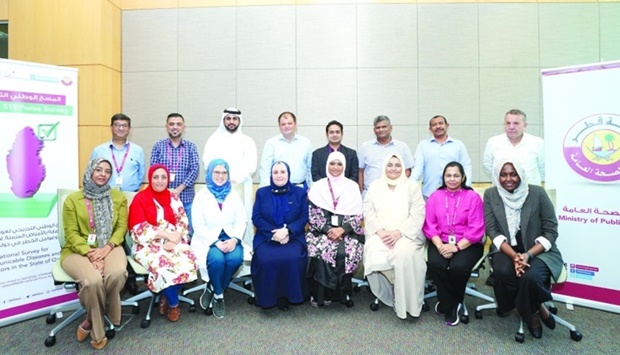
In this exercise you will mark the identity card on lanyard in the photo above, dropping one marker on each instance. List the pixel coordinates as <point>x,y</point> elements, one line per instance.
<point>92,236</point>
<point>119,180</point>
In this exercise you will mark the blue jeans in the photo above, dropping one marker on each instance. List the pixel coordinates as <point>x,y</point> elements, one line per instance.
<point>221,266</point>
<point>171,293</point>
<point>188,212</point>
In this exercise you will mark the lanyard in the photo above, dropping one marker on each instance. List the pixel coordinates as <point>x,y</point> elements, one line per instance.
<point>451,225</point>
<point>91,219</point>
<point>174,169</point>
<point>116,167</point>
<point>334,199</point>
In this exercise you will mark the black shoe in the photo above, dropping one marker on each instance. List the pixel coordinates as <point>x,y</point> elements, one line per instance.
<point>550,321</point>
<point>207,296</point>
<point>438,310</point>
<point>282,304</point>
<point>452,316</point>
<point>536,332</point>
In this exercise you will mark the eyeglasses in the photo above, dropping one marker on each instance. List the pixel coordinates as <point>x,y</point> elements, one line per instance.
<point>221,173</point>
<point>120,125</point>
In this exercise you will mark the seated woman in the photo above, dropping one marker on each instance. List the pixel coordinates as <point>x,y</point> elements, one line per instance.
<point>280,215</point>
<point>521,221</point>
<point>455,226</point>
<point>95,223</point>
<point>394,252</point>
<point>219,225</point>
<point>158,226</point>
<point>336,236</point>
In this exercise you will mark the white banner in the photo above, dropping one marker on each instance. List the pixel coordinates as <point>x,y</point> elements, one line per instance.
<point>582,142</point>
<point>38,150</point>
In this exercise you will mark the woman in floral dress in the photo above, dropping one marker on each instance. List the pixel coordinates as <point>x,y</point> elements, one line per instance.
<point>159,229</point>
<point>335,237</point>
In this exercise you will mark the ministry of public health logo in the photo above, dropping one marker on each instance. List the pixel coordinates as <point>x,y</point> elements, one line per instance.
<point>591,147</point>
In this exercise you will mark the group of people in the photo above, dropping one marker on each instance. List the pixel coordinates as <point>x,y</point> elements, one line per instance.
<point>309,240</point>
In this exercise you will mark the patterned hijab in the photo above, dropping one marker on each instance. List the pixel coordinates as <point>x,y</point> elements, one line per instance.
<point>100,200</point>
<point>220,192</point>
<point>513,201</point>
<point>279,195</point>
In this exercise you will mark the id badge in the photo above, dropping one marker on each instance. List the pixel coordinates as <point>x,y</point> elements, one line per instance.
<point>452,239</point>
<point>92,239</point>
<point>119,181</point>
<point>335,220</point>
<point>172,177</point>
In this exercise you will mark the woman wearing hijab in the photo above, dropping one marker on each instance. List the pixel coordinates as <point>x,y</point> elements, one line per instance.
<point>521,221</point>
<point>159,229</point>
<point>454,225</point>
<point>336,236</point>
<point>219,225</point>
<point>95,223</point>
<point>395,245</point>
<point>280,216</point>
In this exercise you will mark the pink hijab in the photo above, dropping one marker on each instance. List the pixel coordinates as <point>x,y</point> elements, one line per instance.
<point>345,191</point>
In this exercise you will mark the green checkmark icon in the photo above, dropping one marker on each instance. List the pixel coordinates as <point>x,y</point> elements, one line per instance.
<point>47,132</point>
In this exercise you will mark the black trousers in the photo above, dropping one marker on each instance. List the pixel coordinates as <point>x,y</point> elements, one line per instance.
<point>527,292</point>
<point>451,275</point>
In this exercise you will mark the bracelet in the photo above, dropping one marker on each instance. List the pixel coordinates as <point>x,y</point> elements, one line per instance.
<point>458,248</point>
<point>530,255</point>
<point>111,245</point>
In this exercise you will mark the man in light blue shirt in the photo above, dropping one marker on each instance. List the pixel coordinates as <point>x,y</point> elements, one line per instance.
<point>434,153</point>
<point>127,158</point>
<point>372,153</point>
<point>289,147</point>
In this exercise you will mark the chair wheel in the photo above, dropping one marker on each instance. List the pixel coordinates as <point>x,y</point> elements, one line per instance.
<point>349,303</point>
<point>50,341</point>
<point>251,300</point>
<point>374,307</point>
<point>51,319</point>
<point>145,324</point>
<point>553,310</point>
<point>520,338</point>
<point>135,310</point>
<point>209,311</point>
<point>575,335</point>
<point>465,319</point>
<point>356,289</point>
<point>192,308</point>
<point>426,307</point>
<point>110,333</point>
<point>478,314</point>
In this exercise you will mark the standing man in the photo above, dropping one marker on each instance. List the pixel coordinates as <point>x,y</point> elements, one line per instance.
<point>372,153</point>
<point>334,131</point>
<point>289,147</point>
<point>434,153</point>
<point>516,142</point>
<point>229,143</point>
<point>127,158</point>
<point>180,156</point>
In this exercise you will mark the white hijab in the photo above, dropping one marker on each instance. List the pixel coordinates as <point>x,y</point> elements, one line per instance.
<point>513,201</point>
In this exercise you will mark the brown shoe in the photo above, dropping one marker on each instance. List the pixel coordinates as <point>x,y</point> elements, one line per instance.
<point>100,345</point>
<point>174,313</point>
<point>82,333</point>
<point>163,305</point>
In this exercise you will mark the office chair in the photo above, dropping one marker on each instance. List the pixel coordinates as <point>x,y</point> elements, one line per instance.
<point>62,278</point>
<point>520,336</point>
<point>142,274</point>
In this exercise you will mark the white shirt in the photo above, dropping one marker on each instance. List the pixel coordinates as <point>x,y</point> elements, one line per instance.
<point>237,149</point>
<point>530,152</point>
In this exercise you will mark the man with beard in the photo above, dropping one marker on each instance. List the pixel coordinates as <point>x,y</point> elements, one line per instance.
<point>434,153</point>
<point>230,144</point>
<point>334,131</point>
<point>180,156</point>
